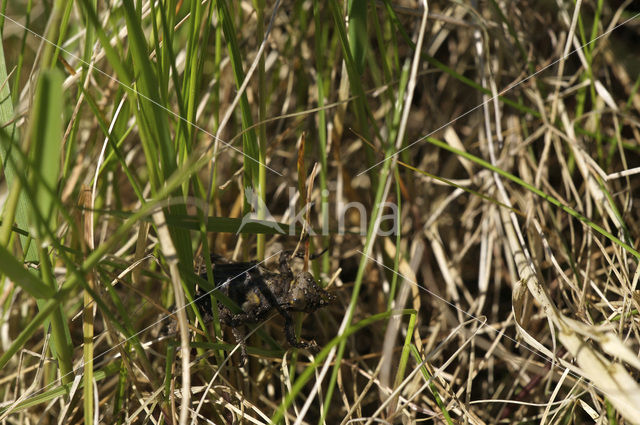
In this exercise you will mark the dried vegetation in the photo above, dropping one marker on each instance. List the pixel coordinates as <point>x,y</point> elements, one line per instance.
<point>509,145</point>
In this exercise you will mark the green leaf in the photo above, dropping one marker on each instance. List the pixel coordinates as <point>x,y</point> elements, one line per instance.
<point>59,390</point>
<point>250,146</point>
<point>229,225</point>
<point>358,32</point>
<point>22,277</point>
<point>46,142</point>
<point>9,144</point>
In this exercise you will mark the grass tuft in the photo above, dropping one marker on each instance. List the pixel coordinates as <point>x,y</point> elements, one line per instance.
<point>477,193</point>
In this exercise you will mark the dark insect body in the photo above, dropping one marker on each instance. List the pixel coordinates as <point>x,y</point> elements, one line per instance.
<point>258,292</point>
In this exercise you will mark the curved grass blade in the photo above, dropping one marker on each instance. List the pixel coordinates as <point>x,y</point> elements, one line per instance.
<point>22,277</point>
<point>538,192</point>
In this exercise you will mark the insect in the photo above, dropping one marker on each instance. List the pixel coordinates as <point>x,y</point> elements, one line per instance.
<point>258,292</point>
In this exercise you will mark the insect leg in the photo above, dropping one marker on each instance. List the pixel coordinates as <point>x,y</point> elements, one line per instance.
<point>318,254</point>
<point>236,322</point>
<point>291,335</point>
<point>285,259</point>
<point>240,336</point>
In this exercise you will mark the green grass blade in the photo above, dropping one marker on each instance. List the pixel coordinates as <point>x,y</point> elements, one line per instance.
<point>322,45</point>
<point>9,137</point>
<point>358,38</point>
<point>21,277</point>
<point>46,138</point>
<point>58,391</point>
<point>45,145</point>
<point>259,5</point>
<point>250,142</point>
<point>367,126</point>
<point>434,390</point>
<point>538,192</point>
<point>153,119</point>
<point>151,109</point>
<point>406,349</point>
